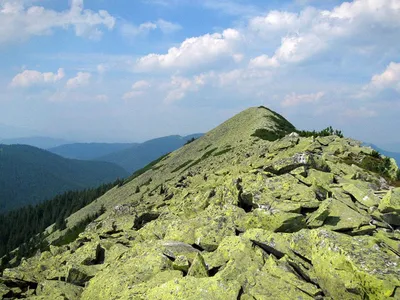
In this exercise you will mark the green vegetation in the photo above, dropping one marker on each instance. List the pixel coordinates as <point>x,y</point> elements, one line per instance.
<point>190,141</point>
<point>205,156</point>
<point>73,233</point>
<point>283,127</point>
<point>286,128</point>
<point>268,135</point>
<point>181,166</point>
<point>145,169</point>
<point>30,175</point>
<point>223,151</point>
<point>373,162</point>
<point>325,132</point>
<point>20,228</point>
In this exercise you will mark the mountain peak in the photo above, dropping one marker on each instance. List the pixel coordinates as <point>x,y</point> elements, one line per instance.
<point>255,121</point>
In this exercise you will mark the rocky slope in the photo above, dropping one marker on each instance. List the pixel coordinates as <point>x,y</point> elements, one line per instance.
<point>233,216</point>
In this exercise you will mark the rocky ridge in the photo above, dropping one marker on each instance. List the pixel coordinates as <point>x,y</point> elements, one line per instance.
<point>233,216</point>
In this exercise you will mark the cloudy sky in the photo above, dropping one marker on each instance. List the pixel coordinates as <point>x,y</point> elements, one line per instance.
<point>123,70</point>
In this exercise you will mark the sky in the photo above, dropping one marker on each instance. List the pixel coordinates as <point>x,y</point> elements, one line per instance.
<point>128,71</point>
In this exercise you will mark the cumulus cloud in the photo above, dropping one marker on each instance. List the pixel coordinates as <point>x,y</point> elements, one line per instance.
<point>31,77</point>
<point>137,89</point>
<point>131,30</point>
<point>294,99</point>
<point>81,79</point>
<point>193,52</point>
<point>312,31</point>
<point>390,78</point>
<point>19,21</point>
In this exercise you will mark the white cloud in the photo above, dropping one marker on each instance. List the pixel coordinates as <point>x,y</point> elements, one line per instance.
<point>131,30</point>
<point>81,79</point>
<point>141,84</point>
<point>168,27</point>
<point>19,22</point>
<point>294,99</point>
<point>194,52</point>
<point>390,78</point>
<point>31,77</point>
<point>312,31</point>
<point>137,89</point>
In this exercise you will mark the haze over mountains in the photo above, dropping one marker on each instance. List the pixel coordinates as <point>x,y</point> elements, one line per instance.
<point>29,175</point>
<point>89,151</point>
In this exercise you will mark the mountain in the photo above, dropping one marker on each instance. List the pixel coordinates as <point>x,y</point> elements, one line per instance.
<point>29,175</point>
<point>251,210</point>
<point>89,151</point>
<point>39,142</point>
<point>137,156</point>
<point>394,155</point>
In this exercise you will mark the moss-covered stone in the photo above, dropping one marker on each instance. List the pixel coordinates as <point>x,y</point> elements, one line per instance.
<point>295,218</point>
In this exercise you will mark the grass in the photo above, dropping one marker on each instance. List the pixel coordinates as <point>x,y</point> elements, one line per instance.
<point>223,151</point>
<point>205,156</point>
<point>181,166</point>
<point>145,169</point>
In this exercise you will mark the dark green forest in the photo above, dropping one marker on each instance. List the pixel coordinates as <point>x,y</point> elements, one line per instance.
<point>29,175</point>
<point>23,227</point>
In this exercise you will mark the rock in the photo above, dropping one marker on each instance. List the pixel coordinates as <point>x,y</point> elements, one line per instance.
<point>198,268</point>
<point>191,288</point>
<point>273,221</point>
<point>181,263</point>
<point>317,218</point>
<point>50,289</point>
<point>79,275</point>
<point>341,217</point>
<point>351,268</point>
<point>362,193</point>
<point>390,202</point>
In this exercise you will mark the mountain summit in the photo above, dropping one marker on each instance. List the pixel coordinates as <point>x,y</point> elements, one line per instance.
<point>251,210</point>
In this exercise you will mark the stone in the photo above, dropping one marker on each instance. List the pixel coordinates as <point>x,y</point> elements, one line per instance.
<point>51,289</point>
<point>198,268</point>
<point>351,268</point>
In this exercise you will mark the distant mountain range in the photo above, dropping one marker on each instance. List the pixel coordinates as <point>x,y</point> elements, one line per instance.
<point>129,156</point>
<point>137,156</point>
<point>89,151</point>
<point>29,175</point>
<point>38,141</point>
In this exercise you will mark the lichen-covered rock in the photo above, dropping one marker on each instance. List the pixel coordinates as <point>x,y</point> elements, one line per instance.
<point>190,288</point>
<point>51,289</point>
<point>233,215</point>
<point>352,268</point>
<point>198,268</point>
<point>390,202</point>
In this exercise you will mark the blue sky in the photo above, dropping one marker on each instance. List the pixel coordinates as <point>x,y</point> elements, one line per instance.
<point>122,70</point>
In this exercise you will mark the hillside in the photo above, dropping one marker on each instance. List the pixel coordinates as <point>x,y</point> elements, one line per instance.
<point>137,156</point>
<point>89,151</point>
<point>394,155</point>
<point>251,210</point>
<point>29,175</point>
